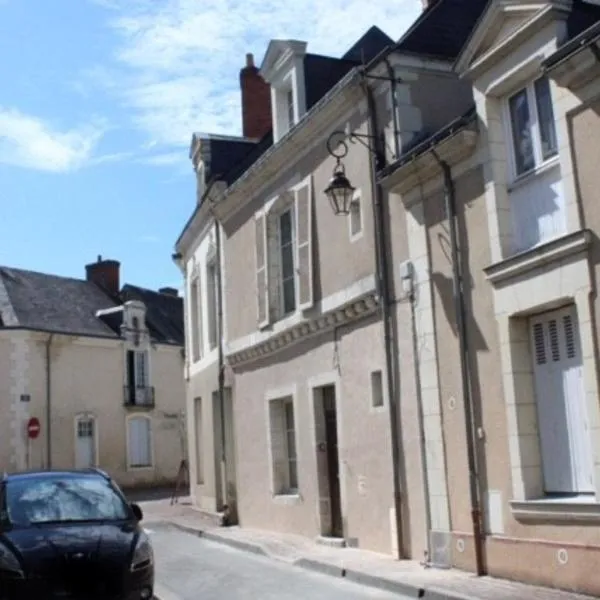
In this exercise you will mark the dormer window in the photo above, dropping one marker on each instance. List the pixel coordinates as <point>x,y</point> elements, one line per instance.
<point>283,70</point>
<point>290,108</point>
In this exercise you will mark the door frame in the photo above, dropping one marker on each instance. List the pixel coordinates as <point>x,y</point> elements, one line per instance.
<point>86,416</point>
<point>314,383</point>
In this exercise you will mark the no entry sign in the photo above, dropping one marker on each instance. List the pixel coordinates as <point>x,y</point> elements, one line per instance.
<point>33,428</point>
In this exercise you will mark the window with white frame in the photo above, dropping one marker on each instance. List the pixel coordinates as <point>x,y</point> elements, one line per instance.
<point>286,249</point>
<point>139,442</point>
<point>283,446</point>
<point>355,217</point>
<point>532,127</point>
<point>195,319</point>
<point>289,96</point>
<point>211,303</point>
<point>284,268</point>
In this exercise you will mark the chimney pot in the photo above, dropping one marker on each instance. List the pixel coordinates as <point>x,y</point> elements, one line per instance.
<point>105,274</point>
<point>249,59</point>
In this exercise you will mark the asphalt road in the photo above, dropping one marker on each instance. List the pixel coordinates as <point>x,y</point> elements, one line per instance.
<point>190,568</point>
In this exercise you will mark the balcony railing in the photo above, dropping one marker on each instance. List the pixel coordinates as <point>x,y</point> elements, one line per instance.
<point>142,397</point>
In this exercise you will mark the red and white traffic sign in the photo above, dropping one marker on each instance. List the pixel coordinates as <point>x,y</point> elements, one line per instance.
<point>33,428</point>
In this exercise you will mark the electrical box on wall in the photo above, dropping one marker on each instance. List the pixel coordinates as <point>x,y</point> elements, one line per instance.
<point>406,269</point>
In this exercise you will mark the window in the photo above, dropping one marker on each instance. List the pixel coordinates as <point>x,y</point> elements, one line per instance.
<point>290,108</point>
<point>284,258</point>
<point>195,320</point>
<point>135,323</point>
<point>211,299</point>
<point>376,389</point>
<point>355,218</point>
<point>286,251</point>
<point>137,388</point>
<point>532,126</point>
<point>139,443</point>
<point>39,499</point>
<point>283,446</point>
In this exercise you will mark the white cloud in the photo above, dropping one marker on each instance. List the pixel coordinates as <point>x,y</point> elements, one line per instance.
<point>27,141</point>
<point>177,61</point>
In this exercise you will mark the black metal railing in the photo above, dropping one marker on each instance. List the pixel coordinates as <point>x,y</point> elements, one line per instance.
<point>138,396</point>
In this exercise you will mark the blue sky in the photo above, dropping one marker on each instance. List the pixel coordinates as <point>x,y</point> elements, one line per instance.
<point>98,102</point>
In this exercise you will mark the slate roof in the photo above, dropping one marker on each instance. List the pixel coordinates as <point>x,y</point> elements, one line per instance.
<point>164,313</point>
<point>44,302</point>
<point>321,73</point>
<point>583,26</point>
<point>438,32</point>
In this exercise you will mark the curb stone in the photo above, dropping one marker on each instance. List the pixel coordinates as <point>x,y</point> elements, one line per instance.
<point>324,568</point>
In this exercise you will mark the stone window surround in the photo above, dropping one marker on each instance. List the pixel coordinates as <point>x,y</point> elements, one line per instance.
<point>273,395</point>
<point>87,416</point>
<point>513,305</point>
<point>151,433</point>
<point>493,111</point>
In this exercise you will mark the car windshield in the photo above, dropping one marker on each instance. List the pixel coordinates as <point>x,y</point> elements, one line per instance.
<point>46,499</point>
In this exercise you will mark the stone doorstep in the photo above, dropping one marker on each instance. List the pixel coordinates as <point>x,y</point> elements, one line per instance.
<point>367,568</point>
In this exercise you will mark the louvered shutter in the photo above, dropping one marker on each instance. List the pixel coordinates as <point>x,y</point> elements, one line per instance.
<point>262,271</point>
<point>304,253</point>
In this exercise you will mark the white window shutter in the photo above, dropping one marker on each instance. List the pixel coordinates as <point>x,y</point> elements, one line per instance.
<point>140,453</point>
<point>304,254</point>
<point>262,271</point>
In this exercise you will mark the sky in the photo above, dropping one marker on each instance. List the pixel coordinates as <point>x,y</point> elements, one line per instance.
<point>98,103</point>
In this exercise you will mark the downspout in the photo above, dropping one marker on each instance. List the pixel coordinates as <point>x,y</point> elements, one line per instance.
<point>49,402</point>
<point>421,418</point>
<point>393,84</point>
<point>221,376</point>
<point>383,285</point>
<point>465,367</point>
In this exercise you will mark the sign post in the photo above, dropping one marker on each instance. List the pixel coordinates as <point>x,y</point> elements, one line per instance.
<point>33,431</point>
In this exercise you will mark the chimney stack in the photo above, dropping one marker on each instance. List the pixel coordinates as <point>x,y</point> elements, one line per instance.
<point>256,101</point>
<point>169,291</point>
<point>105,274</point>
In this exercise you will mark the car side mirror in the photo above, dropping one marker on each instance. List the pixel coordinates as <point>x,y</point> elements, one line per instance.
<point>137,511</point>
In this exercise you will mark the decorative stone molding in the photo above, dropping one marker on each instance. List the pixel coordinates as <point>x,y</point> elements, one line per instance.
<point>350,312</point>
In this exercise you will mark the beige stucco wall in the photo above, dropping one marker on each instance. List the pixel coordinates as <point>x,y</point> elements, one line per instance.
<point>364,441</point>
<point>87,376</point>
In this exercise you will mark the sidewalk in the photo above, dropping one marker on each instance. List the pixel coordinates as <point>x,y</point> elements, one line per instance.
<point>368,568</point>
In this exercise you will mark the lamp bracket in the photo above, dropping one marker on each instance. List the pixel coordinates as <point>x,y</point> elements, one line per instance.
<point>341,149</point>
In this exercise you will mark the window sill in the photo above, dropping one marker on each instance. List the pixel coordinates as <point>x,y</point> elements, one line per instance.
<point>147,468</point>
<point>579,508</point>
<point>553,251</point>
<point>527,177</point>
<point>287,499</point>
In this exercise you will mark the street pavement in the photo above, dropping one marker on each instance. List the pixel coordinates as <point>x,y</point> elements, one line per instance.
<point>191,568</point>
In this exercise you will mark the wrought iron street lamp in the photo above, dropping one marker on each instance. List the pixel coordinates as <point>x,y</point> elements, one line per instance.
<point>340,191</point>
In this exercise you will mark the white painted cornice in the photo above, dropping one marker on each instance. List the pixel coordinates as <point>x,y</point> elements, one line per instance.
<point>536,15</point>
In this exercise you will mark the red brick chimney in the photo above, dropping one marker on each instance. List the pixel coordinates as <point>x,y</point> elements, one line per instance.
<point>105,274</point>
<point>256,101</point>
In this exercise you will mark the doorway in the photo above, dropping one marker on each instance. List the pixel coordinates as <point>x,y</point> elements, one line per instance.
<point>328,463</point>
<point>85,447</point>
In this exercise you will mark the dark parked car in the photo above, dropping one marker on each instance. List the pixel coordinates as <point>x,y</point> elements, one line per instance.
<point>71,535</point>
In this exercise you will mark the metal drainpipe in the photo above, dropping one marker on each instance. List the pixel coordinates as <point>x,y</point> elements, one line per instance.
<point>384,292</point>
<point>49,402</point>
<point>394,108</point>
<point>460,314</point>
<point>221,366</point>
<point>421,418</point>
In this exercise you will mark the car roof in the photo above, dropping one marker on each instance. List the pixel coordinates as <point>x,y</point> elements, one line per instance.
<point>53,474</point>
